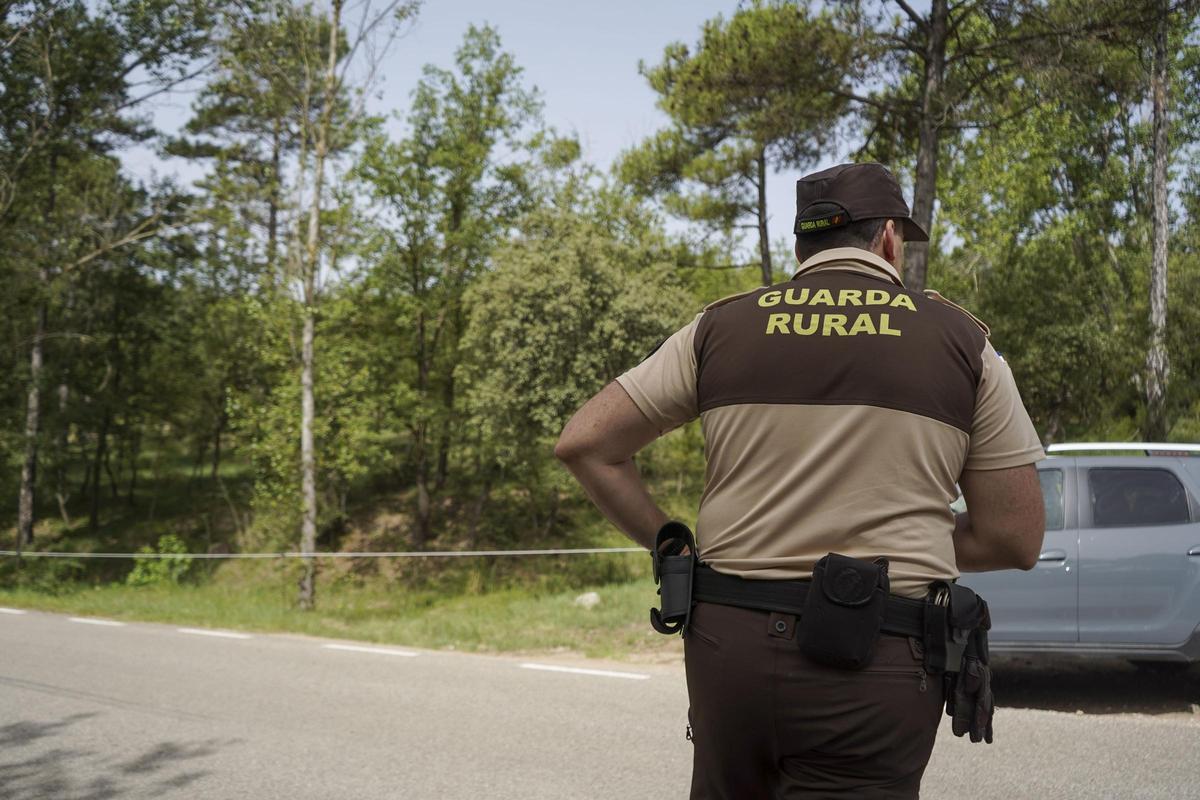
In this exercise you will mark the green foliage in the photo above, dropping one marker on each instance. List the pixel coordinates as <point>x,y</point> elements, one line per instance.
<point>170,568</point>
<point>496,619</point>
<point>761,90</point>
<point>572,302</point>
<point>52,577</point>
<point>479,282</point>
<point>1053,213</point>
<point>445,198</point>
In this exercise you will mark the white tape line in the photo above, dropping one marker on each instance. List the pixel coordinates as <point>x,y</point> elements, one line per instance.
<point>11,611</point>
<point>602,673</point>
<point>573,551</point>
<point>221,634</point>
<point>88,621</point>
<point>383,651</point>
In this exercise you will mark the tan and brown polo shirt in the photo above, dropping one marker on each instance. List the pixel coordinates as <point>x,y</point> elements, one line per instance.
<point>838,410</point>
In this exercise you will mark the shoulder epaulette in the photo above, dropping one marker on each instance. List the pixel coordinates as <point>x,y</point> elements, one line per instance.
<point>933,295</point>
<point>731,298</point>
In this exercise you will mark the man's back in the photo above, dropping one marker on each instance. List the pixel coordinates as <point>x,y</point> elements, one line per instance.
<point>839,410</point>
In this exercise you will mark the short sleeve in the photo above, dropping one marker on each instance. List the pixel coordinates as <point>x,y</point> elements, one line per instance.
<point>663,386</point>
<point>1002,435</point>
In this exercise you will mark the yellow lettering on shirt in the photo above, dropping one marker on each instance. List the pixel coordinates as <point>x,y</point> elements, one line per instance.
<point>831,325</point>
<point>821,297</point>
<point>864,324</point>
<point>903,301</point>
<point>850,297</point>
<point>806,330</point>
<point>834,322</point>
<point>792,300</point>
<point>777,323</point>
<point>877,297</point>
<point>768,299</point>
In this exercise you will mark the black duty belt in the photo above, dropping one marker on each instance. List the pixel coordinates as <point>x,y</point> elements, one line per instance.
<point>904,616</point>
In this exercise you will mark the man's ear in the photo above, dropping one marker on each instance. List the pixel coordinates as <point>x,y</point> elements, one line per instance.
<point>889,244</point>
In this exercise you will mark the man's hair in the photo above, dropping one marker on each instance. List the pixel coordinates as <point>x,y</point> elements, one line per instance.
<point>854,234</point>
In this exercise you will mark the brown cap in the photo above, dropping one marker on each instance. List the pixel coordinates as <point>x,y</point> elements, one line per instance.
<point>851,193</point>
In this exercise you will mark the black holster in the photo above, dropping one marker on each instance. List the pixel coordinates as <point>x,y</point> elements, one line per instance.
<point>674,572</point>
<point>956,625</point>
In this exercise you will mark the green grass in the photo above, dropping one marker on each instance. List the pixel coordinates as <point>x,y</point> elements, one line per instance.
<point>514,605</point>
<point>515,619</point>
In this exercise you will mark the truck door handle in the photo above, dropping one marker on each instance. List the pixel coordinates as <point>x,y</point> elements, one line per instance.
<point>1195,551</point>
<point>1054,555</point>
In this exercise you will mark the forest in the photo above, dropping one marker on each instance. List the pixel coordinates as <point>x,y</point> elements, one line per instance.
<point>346,339</point>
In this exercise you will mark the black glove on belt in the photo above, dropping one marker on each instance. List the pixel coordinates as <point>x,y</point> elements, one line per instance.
<point>969,700</point>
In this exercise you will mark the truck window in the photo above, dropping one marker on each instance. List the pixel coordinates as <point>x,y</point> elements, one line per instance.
<point>1128,497</point>
<point>1052,497</point>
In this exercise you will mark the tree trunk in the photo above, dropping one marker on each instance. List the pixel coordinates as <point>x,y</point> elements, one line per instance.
<point>551,516</point>
<point>928,136</point>
<point>61,494</point>
<point>216,458</point>
<point>108,468</point>
<point>308,530</point>
<point>1053,427</point>
<point>97,465</point>
<point>1157,363</point>
<point>442,472</point>
<point>424,500</point>
<point>420,430</point>
<point>311,263</point>
<point>477,509</point>
<point>135,453</point>
<point>273,206</point>
<point>25,511</point>
<point>764,237</point>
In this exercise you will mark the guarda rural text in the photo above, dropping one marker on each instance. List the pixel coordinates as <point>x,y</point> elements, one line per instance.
<point>826,324</point>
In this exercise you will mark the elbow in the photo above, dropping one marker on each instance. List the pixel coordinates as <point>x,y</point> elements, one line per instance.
<point>568,450</point>
<point>1027,555</point>
<point>1027,561</point>
<point>564,451</point>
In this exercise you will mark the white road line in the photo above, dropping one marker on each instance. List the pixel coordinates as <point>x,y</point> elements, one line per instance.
<point>11,611</point>
<point>383,651</point>
<point>221,634</point>
<point>89,621</point>
<point>603,673</point>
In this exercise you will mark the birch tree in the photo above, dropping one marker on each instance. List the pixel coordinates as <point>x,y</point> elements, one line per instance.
<point>1157,362</point>
<point>326,82</point>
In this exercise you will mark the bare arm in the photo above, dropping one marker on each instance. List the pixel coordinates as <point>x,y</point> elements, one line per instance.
<point>1004,522</point>
<point>597,446</point>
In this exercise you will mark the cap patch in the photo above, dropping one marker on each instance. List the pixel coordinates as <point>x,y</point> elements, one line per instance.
<point>822,223</point>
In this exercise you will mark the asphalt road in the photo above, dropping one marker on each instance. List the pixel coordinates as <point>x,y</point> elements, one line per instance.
<point>128,711</point>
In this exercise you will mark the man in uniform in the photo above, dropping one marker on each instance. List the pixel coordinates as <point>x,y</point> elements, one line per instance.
<point>839,411</point>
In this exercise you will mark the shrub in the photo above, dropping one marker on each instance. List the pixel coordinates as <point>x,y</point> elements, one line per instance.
<point>169,565</point>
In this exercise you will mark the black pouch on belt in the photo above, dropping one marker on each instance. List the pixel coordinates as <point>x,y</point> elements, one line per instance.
<point>674,558</point>
<point>844,610</point>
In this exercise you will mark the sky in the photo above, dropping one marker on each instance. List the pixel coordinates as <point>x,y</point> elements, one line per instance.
<point>582,56</point>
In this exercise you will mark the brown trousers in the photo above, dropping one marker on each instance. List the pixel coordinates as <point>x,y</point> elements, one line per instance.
<point>767,722</point>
